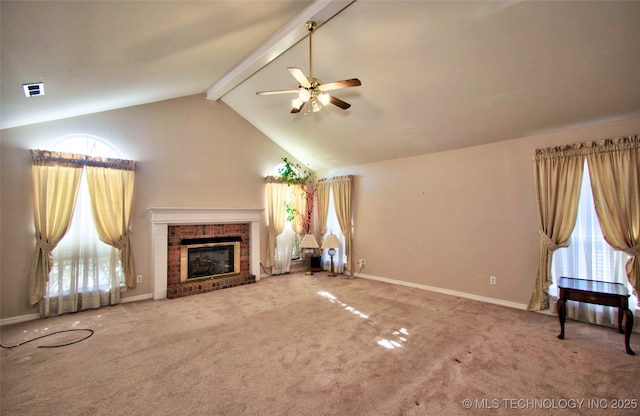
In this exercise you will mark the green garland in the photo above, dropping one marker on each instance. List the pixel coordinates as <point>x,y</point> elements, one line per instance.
<point>289,173</point>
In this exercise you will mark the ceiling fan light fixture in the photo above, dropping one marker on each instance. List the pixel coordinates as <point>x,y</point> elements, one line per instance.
<point>296,103</point>
<point>311,89</point>
<point>324,98</point>
<point>303,94</point>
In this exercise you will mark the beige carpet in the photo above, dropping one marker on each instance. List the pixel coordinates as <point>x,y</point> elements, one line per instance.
<point>298,345</point>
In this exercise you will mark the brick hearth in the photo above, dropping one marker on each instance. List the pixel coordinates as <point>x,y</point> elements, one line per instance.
<point>176,288</point>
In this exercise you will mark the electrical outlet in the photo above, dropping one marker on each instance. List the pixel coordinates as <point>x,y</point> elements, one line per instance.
<point>361,262</point>
<point>139,278</point>
<point>492,280</point>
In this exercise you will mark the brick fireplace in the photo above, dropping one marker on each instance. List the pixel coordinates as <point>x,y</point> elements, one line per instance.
<point>172,226</point>
<point>181,236</point>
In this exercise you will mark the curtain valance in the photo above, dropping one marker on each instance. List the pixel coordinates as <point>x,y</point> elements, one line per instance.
<point>588,148</point>
<point>49,158</point>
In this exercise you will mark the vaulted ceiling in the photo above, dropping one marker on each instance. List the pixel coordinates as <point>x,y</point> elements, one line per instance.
<point>435,75</point>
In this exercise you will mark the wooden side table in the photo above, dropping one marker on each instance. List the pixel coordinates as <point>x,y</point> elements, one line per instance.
<point>600,293</point>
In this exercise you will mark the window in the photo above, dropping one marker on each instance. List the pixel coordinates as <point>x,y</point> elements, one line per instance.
<point>86,272</point>
<point>333,226</point>
<point>589,256</point>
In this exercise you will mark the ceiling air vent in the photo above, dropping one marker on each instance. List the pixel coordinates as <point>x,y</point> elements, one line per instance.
<point>31,90</point>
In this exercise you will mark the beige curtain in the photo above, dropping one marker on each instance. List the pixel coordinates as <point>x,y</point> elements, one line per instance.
<point>342,197</point>
<point>298,198</point>
<point>323,188</point>
<point>56,180</point>
<point>557,178</point>
<point>614,166</point>
<point>276,200</point>
<point>111,192</point>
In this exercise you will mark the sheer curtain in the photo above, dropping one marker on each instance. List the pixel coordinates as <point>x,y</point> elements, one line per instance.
<point>589,256</point>
<point>284,249</point>
<point>333,226</point>
<point>86,272</point>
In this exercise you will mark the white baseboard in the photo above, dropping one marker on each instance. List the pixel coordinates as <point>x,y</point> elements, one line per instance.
<point>522,306</point>
<point>136,298</point>
<point>501,302</point>
<point>34,316</point>
<point>19,319</point>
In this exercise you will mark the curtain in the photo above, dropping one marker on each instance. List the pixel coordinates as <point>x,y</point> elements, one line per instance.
<point>323,188</point>
<point>588,256</point>
<point>342,198</point>
<point>557,179</point>
<point>111,192</point>
<point>323,193</point>
<point>284,249</point>
<point>298,200</point>
<point>276,211</point>
<point>56,180</point>
<point>86,273</point>
<point>615,178</point>
<point>333,226</point>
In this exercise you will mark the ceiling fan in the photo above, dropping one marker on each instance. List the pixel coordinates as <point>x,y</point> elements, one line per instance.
<point>311,90</point>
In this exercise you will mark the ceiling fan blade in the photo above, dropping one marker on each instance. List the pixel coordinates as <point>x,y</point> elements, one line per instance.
<point>300,77</point>
<point>277,92</point>
<point>354,82</point>
<point>338,102</point>
<point>297,110</point>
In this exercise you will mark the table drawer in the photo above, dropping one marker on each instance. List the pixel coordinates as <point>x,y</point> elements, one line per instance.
<point>600,298</point>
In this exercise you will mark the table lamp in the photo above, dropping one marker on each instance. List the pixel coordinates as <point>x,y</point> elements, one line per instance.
<point>332,243</point>
<point>309,243</point>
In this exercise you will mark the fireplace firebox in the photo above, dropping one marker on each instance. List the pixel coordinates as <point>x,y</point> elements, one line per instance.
<point>205,258</point>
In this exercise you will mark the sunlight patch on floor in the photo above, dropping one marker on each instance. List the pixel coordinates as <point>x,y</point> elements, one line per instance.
<point>399,338</point>
<point>394,341</point>
<point>346,307</point>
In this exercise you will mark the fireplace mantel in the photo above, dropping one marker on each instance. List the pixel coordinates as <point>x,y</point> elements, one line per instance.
<point>162,217</point>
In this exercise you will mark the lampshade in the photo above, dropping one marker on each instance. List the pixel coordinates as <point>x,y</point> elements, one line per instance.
<point>309,241</point>
<point>331,242</point>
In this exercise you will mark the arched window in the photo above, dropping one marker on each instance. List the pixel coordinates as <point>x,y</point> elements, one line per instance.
<point>85,144</point>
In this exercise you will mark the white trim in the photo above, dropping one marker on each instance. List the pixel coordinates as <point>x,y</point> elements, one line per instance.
<point>36,316</point>
<point>19,319</point>
<point>494,301</point>
<point>161,218</point>
<point>146,296</point>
